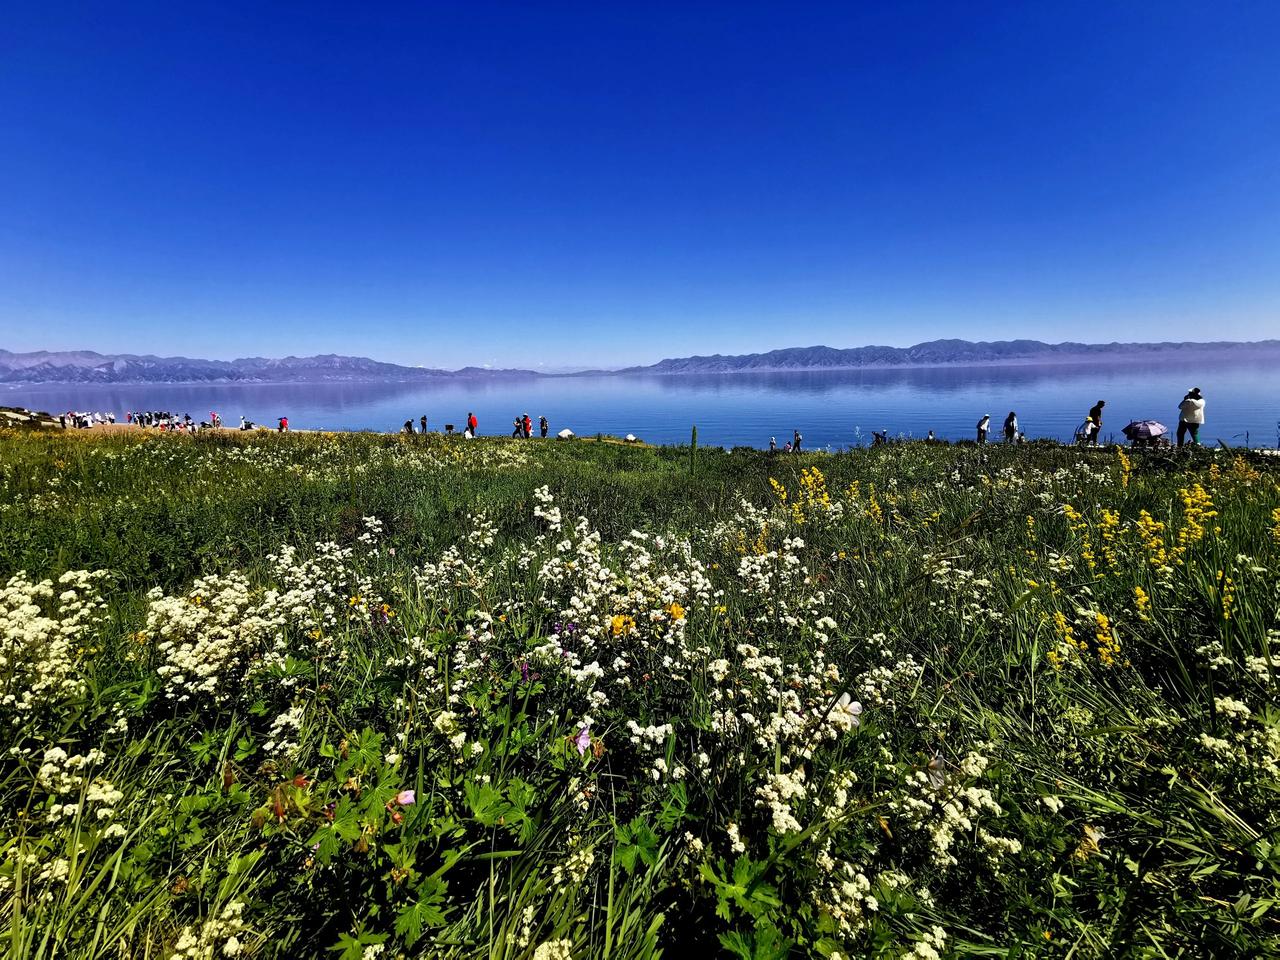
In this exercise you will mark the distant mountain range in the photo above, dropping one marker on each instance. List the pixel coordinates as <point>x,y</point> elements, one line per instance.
<point>85,366</point>
<point>941,353</point>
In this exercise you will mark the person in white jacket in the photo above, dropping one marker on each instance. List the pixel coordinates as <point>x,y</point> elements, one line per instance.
<point>1190,416</point>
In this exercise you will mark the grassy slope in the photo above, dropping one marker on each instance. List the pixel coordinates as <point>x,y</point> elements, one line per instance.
<point>1161,841</point>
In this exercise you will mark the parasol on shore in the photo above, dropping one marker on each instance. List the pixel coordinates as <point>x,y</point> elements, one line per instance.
<point>1145,430</point>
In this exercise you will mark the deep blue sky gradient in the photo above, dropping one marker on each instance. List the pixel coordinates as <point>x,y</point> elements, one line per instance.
<point>574,184</point>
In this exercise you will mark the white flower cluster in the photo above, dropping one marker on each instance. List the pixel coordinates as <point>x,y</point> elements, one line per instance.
<point>576,865</point>
<point>207,636</point>
<point>281,738</point>
<point>546,509</point>
<point>946,808</point>
<point>554,950</point>
<point>846,897</point>
<point>219,934</point>
<point>68,776</point>
<point>777,794</point>
<point>928,947</point>
<point>41,630</point>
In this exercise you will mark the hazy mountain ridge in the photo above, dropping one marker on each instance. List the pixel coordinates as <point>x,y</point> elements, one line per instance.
<point>87,366</point>
<point>957,352</point>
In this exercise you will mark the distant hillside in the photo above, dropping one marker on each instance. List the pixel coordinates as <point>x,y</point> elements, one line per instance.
<point>958,352</point>
<point>85,366</point>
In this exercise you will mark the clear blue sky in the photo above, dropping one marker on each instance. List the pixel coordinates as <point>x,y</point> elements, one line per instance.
<point>542,183</point>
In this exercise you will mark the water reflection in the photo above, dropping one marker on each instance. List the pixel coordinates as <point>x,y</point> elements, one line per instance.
<point>836,408</point>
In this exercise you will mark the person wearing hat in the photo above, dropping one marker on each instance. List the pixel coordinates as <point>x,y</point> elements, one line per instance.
<point>983,425</point>
<point>1190,416</point>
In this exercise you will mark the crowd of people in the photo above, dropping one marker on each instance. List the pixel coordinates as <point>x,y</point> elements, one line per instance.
<point>791,446</point>
<point>521,426</point>
<point>83,420</point>
<point>1190,419</point>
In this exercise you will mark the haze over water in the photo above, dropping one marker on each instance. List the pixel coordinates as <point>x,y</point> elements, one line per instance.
<point>830,408</point>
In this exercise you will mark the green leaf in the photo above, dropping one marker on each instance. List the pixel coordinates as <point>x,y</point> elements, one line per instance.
<point>424,912</point>
<point>636,842</point>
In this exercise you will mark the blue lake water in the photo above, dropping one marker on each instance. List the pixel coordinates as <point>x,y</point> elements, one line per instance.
<point>832,408</point>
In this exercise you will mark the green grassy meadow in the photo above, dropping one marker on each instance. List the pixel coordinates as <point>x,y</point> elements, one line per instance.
<point>364,696</point>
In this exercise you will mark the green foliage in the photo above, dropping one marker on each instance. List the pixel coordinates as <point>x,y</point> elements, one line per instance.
<point>463,735</point>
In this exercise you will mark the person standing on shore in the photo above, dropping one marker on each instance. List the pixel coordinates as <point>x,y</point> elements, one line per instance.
<point>1011,427</point>
<point>1095,422</point>
<point>795,443</point>
<point>472,424</point>
<point>543,427</point>
<point>773,444</point>
<point>423,421</point>
<point>1190,416</point>
<point>528,426</point>
<point>983,425</point>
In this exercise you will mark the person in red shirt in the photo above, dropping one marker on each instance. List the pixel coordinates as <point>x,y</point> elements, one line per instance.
<point>528,426</point>
<point>472,423</point>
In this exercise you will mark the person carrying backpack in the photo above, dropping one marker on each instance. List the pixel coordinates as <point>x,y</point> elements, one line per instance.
<point>472,423</point>
<point>983,426</point>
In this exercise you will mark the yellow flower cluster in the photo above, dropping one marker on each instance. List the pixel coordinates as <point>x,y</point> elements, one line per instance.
<point>1108,642</point>
<point>874,510</point>
<point>814,486</point>
<point>1227,594</point>
<point>1110,527</point>
<point>1126,467</point>
<point>1151,533</point>
<point>1075,519</point>
<point>1066,639</point>
<point>621,624</point>
<point>1275,525</point>
<point>1142,601</point>
<point>1197,511</point>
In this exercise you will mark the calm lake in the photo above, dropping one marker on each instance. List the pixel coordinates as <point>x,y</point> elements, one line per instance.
<point>835,408</point>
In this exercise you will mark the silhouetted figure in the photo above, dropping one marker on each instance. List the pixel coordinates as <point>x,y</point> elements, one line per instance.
<point>1093,425</point>
<point>1011,427</point>
<point>423,421</point>
<point>983,426</point>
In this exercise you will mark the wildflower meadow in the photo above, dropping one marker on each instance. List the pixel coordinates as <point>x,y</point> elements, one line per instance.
<point>364,696</point>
